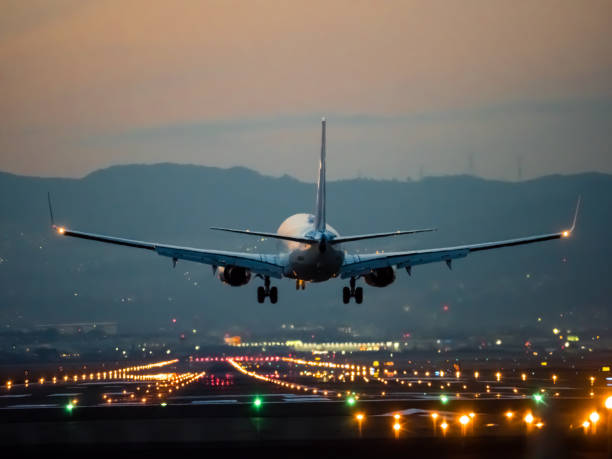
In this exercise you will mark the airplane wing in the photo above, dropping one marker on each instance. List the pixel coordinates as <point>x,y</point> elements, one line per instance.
<point>358,265</point>
<point>266,265</point>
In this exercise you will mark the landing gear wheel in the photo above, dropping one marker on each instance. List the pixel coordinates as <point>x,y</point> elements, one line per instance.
<point>261,294</point>
<point>273,295</point>
<point>346,295</point>
<point>359,295</point>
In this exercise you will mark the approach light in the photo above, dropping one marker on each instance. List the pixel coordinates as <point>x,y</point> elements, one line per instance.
<point>594,417</point>
<point>529,418</point>
<point>608,403</point>
<point>464,420</point>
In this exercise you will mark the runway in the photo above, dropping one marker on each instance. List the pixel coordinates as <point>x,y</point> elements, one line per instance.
<point>249,401</point>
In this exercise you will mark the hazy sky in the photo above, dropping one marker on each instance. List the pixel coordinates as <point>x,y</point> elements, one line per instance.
<point>438,85</point>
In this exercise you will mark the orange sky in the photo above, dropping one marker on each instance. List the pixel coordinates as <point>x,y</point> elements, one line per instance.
<point>84,85</point>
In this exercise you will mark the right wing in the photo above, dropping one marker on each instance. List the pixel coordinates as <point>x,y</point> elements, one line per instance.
<point>359,265</point>
<point>266,265</point>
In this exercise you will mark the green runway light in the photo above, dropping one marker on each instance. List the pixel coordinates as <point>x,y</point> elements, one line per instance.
<point>443,399</point>
<point>69,407</point>
<point>539,398</point>
<point>257,402</point>
<point>164,404</point>
<point>350,401</point>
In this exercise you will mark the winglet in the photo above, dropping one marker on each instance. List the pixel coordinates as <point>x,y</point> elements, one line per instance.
<point>576,213</point>
<point>568,232</point>
<point>50,209</point>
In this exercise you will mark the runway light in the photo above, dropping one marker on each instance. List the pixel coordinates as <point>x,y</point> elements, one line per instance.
<point>434,416</point>
<point>443,399</point>
<point>539,398</point>
<point>397,426</point>
<point>444,426</point>
<point>69,407</point>
<point>350,401</point>
<point>464,420</point>
<point>257,402</point>
<point>163,404</point>
<point>594,417</point>
<point>396,416</point>
<point>509,414</point>
<point>359,417</point>
<point>608,403</point>
<point>529,418</point>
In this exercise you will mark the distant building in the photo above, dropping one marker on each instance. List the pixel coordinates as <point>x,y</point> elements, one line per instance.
<point>109,328</point>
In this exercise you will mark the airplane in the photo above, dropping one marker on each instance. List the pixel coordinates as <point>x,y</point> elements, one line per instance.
<point>311,251</point>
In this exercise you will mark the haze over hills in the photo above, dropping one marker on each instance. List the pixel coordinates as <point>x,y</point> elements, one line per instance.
<point>46,278</point>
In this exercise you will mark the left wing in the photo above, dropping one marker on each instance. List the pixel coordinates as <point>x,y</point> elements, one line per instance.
<point>358,265</point>
<point>266,265</point>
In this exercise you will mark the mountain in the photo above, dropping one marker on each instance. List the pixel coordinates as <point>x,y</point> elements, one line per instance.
<point>46,278</point>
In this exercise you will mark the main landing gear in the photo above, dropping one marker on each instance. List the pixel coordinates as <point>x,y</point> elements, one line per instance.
<point>352,292</point>
<point>300,284</point>
<point>267,291</point>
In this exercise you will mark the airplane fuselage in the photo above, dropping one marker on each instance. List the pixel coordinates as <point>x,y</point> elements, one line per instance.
<point>310,262</point>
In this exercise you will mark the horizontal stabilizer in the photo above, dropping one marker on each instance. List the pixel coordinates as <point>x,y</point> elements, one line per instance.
<point>359,237</point>
<point>270,235</point>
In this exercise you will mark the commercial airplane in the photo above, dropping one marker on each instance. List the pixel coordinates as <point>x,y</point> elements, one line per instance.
<point>311,252</point>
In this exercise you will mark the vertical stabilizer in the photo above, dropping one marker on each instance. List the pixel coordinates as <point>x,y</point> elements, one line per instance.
<point>320,206</point>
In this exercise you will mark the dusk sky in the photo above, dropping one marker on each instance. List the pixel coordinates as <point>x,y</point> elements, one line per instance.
<point>437,85</point>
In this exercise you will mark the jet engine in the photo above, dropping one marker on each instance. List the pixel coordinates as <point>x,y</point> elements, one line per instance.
<point>380,277</point>
<point>233,275</point>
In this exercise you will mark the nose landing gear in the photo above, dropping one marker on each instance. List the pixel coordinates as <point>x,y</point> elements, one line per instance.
<point>352,292</point>
<point>267,291</point>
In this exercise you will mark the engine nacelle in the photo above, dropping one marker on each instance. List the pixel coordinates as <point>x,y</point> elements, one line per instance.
<point>380,277</point>
<point>233,275</point>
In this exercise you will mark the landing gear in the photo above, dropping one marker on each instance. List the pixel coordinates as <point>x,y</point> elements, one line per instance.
<point>300,284</point>
<point>352,292</point>
<point>267,291</point>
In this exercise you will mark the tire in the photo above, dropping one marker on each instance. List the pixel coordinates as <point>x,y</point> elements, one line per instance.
<point>273,295</point>
<point>359,295</point>
<point>261,294</point>
<point>346,295</point>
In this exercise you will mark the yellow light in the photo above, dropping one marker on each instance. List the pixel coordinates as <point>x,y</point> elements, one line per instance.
<point>554,378</point>
<point>539,425</point>
<point>444,425</point>
<point>565,233</point>
<point>529,418</point>
<point>464,420</point>
<point>509,414</point>
<point>397,426</point>
<point>472,415</point>
<point>608,403</point>
<point>61,230</point>
<point>476,375</point>
<point>523,376</point>
<point>586,424</point>
<point>359,417</point>
<point>498,375</point>
<point>434,416</point>
<point>396,416</point>
<point>594,417</point>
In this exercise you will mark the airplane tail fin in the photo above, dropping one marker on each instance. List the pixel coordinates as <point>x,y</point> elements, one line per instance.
<point>320,204</point>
